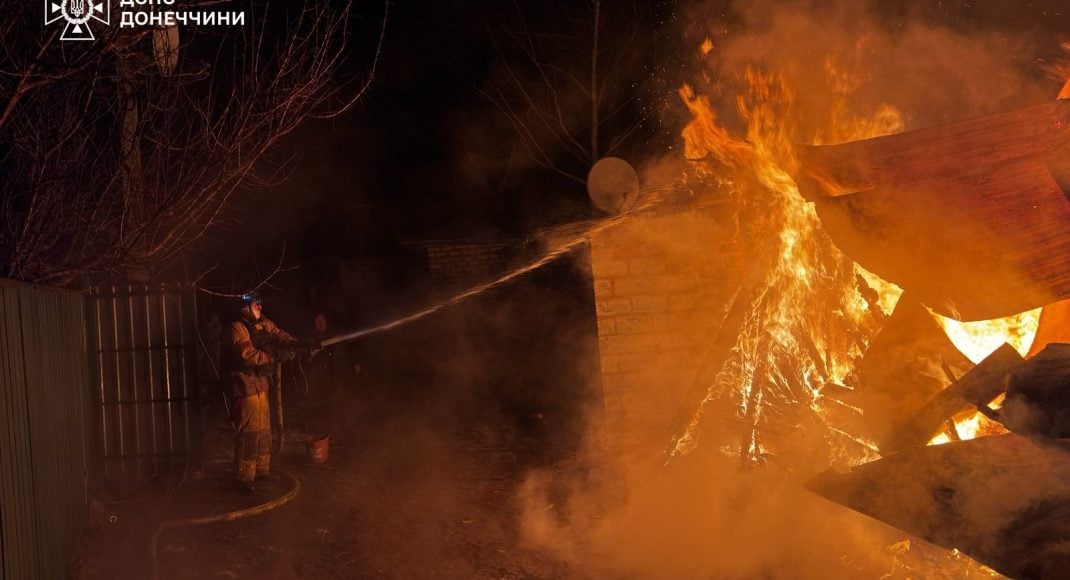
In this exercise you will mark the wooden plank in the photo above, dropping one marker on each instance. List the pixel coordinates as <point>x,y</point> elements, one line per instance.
<point>903,369</point>
<point>972,217</point>
<point>974,389</point>
<point>1002,500</point>
<point>933,154</point>
<point>974,247</point>
<point>1038,402</point>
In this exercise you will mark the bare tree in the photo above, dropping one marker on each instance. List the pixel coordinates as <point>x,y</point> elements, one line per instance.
<point>117,156</point>
<point>571,83</point>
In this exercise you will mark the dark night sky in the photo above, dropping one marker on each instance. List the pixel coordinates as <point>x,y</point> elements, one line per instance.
<point>395,168</point>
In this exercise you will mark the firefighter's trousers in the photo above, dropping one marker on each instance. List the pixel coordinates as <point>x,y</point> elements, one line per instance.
<point>252,443</point>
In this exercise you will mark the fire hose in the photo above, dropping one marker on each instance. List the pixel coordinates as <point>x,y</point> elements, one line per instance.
<point>245,512</point>
<point>223,517</point>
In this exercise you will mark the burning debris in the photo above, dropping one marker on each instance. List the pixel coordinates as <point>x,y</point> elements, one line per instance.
<point>1002,500</point>
<point>972,220</point>
<point>883,201</point>
<point>974,391</point>
<point>888,202</point>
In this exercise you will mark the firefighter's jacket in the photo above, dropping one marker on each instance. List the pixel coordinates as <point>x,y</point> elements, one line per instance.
<point>254,350</point>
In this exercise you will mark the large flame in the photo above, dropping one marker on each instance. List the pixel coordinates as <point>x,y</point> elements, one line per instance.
<point>812,312</point>
<point>809,311</point>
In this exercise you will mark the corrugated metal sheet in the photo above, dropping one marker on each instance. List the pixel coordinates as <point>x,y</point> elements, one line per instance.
<point>45,429</point>
<point>142,340</point>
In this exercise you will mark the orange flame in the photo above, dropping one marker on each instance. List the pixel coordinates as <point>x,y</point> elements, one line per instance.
<point>970,425</point>
<point>978,339</point>
<point>808,320</point>
<point>813,312</point>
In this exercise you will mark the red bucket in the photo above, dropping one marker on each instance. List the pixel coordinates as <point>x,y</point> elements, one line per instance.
<point>319,449</point>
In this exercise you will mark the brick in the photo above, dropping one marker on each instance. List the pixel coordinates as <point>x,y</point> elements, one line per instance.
<point>606,326</point>
<point>623,344</point>
<point>637,405</point>
<point>630,343</point>
<point>635,363</point>
<point>603,288</point>
<point>668,322</point>
<point>618,247</point>
<point>620,383</point>
<point>631,286</point>
<point>679,302</point>
<point>616,420</point>
<point>647,266</point>
<point>662,365</point>
<point>673,283</point>
<point>612,403</point>
<point>609,268</point>
<point>656,342</point>
<point>650,304</point>
<point>633,324</point>
<point>609,363</point>
<point>607,346</point>
<point>690,340</point>
<point>611,306</point>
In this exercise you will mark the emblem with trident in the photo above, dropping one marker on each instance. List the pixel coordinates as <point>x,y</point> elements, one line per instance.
<point>77,13</point>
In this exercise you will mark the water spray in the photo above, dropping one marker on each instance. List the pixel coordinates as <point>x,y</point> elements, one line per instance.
<point>612,184</point>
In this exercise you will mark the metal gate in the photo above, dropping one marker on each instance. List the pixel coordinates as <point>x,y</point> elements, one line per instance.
<point>143,342</point>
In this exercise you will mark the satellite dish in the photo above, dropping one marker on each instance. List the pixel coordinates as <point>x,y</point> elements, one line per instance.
<point>613,185</point>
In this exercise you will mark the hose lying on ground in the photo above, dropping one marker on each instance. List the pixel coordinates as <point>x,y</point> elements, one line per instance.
<point>224,517</point>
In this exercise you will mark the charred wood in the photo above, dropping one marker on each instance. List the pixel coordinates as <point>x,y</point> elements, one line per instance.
<point>977,388</point>
<point>902,370</point>
<point>972,218</point>
<point>1002,500</point>
<point>1038,397</point>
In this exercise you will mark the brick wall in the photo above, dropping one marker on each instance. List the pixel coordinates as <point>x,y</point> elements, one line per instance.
<point>660,293</point>
<point>461,264</point>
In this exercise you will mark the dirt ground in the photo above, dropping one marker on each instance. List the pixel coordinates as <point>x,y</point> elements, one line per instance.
<point>407,493</point>
<point>416,488</point>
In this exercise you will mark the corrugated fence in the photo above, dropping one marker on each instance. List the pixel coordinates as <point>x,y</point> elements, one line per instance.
<point>46,430</point>
<point>143,363</point>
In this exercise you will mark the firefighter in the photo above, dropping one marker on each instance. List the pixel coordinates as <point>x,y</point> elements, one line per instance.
<point>256,344</point>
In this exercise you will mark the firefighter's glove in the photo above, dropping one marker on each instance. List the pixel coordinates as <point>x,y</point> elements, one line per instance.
<point>309,347</point>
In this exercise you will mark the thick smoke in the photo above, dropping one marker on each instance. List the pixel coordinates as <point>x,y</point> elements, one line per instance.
<point>933,70</point>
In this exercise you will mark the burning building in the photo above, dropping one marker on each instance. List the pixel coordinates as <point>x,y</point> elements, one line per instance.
<point>881,303</point>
